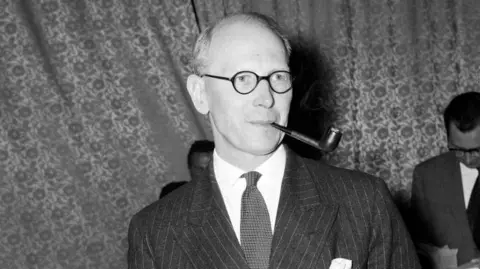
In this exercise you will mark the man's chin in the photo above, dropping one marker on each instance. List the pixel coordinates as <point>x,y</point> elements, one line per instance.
<point>264,149</point>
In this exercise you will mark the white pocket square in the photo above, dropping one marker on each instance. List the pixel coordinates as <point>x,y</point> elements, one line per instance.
<point>341,263</point>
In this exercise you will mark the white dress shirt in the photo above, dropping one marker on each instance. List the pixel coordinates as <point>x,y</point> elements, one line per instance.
<point>469,176</point>
<point>232,186</point>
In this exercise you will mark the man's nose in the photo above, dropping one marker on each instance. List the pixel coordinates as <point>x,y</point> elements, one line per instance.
<point>264,94</point>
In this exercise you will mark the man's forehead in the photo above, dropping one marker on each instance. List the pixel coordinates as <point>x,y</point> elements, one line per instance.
<point>467,139</point>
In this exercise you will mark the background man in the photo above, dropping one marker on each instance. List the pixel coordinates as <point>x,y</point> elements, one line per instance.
<point>445,195</point>
<point>198,158</point>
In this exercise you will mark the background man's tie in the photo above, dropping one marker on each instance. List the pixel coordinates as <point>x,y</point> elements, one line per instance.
<point>255,229</point>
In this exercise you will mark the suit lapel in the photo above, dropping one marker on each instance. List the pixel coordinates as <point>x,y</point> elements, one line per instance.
<point>453,192</point>
<point>453,186</point>
<point>208,237</point>
<point>303,221</point>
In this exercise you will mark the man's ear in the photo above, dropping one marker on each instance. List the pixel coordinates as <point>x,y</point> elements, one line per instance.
<point>196,89</point>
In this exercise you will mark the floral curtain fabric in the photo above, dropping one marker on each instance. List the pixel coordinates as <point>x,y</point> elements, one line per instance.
<point>95,118</point>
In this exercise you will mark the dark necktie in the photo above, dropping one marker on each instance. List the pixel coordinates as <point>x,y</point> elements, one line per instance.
<point>473,211</point>
<point>255,229</point>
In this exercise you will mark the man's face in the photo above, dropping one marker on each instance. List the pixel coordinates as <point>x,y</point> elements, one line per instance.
<point>200,160</point>
<point>241,123</point>
<point>465,145</point>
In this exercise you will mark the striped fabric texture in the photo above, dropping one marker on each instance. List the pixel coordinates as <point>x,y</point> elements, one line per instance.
<point>324,213</point>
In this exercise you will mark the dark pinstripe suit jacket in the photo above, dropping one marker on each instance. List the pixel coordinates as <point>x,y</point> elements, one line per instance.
<point>324,213</point>
<point>439,206</point>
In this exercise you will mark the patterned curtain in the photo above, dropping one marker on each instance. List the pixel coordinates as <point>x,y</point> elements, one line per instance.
<point>95,118</point>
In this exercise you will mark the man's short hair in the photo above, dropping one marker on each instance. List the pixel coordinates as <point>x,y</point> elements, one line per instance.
<point>463,111</point>
<point>202,45</point>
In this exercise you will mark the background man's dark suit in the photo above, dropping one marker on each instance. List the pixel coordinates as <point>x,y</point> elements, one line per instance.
<point>439,206</point>
<point>324,213</point>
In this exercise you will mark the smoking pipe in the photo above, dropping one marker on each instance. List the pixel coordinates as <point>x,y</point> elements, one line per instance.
<point>327,143</point>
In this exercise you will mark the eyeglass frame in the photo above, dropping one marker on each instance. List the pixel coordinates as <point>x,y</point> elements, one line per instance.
<point>464,151</point>
<point>259,79</point>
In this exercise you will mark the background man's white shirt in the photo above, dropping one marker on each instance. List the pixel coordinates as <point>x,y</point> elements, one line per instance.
<point>469,176</point>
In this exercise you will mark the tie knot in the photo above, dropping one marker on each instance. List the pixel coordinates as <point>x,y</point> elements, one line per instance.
<point>252,177</point>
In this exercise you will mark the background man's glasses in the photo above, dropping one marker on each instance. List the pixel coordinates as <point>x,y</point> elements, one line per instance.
<point>244,82</point>
<point>461,151</point>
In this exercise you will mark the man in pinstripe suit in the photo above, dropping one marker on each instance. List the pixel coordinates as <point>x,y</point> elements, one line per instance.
<point>317,212</point>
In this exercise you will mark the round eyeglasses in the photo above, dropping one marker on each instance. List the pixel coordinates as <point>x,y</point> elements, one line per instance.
<point>244,82</point>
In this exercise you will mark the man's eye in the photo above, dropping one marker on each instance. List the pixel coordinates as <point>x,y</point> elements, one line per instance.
<point>281,77</point>
<point>244,78</point>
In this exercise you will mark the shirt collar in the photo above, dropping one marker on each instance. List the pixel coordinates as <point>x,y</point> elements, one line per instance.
<point>465,170</point>
<point>269,169</point>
